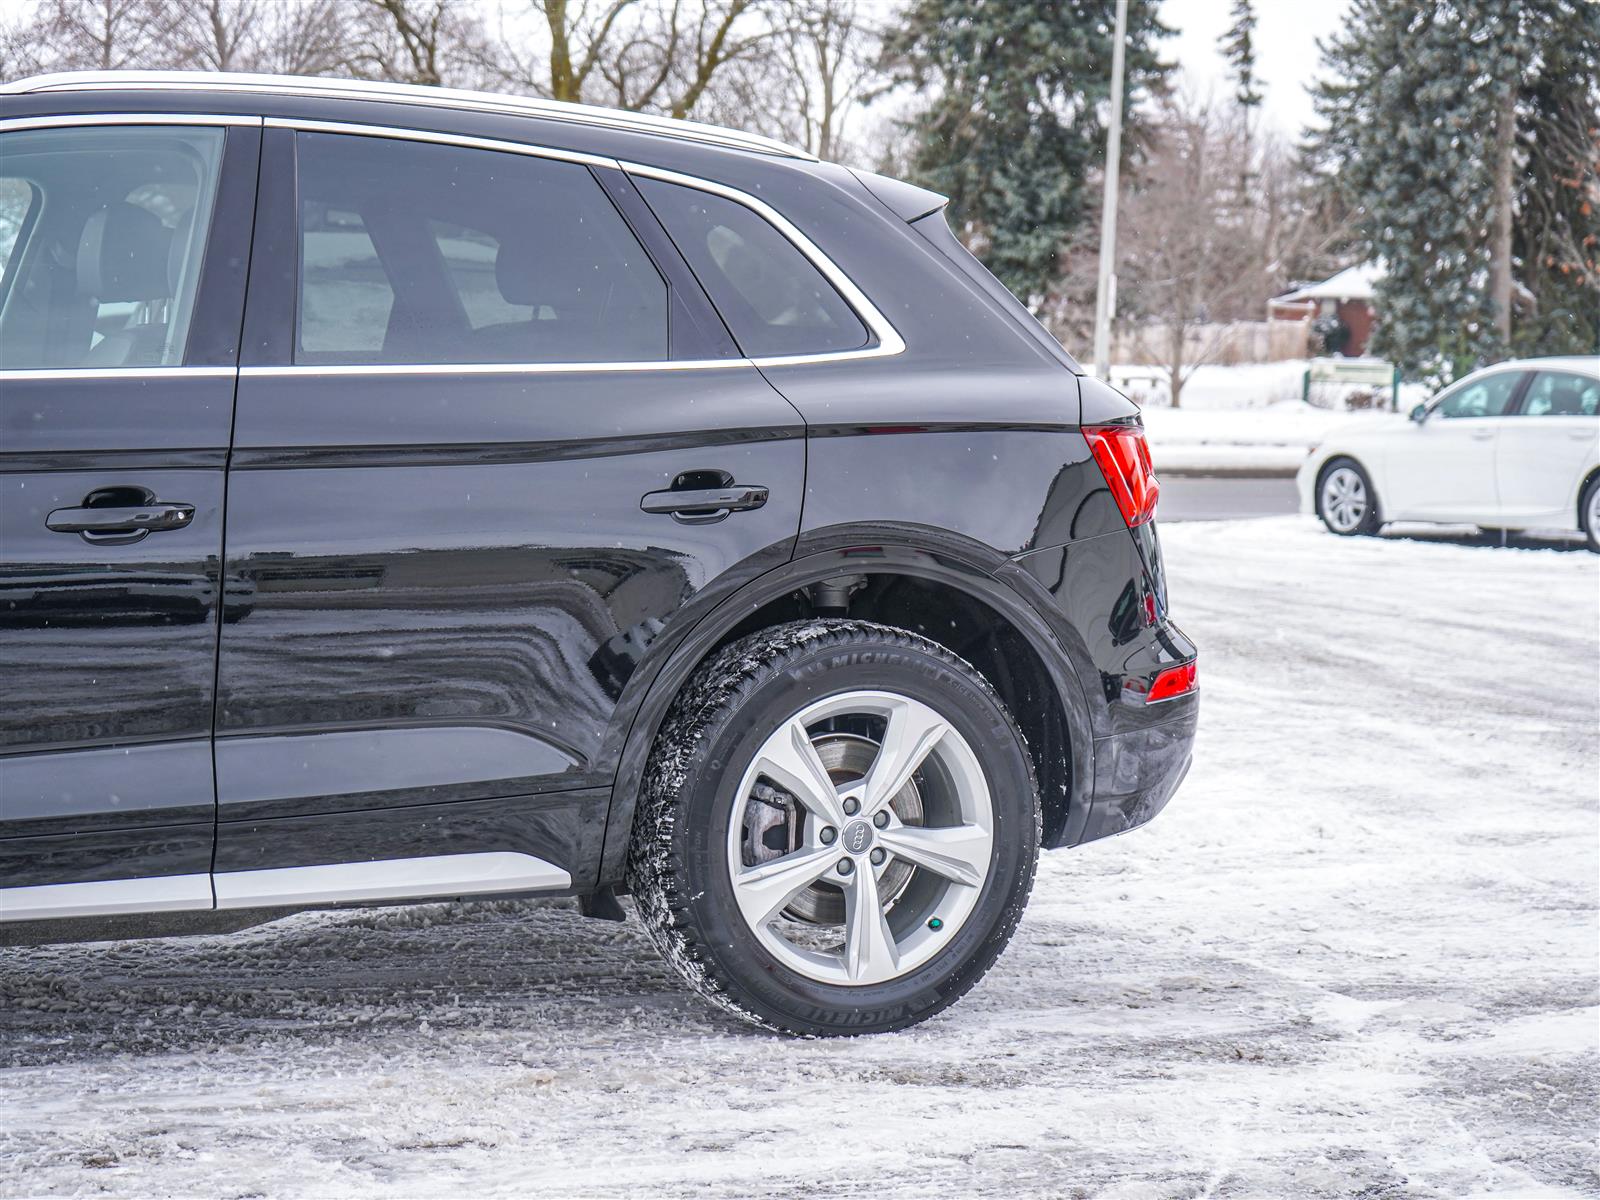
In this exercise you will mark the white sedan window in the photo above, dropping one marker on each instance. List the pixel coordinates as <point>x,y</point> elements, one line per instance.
<point>1562,394</point>
<point>1486,397</point>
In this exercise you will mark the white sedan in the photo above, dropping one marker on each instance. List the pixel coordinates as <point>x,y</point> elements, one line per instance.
<point>1513,446</point>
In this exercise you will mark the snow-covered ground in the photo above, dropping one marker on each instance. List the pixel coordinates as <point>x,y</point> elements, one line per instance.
<point>1242,419</point>
<point>1357,956</point>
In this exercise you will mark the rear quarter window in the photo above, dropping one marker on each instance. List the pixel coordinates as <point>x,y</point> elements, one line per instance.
<point>774,300</point>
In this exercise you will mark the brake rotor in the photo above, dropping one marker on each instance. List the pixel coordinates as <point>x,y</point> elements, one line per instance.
<point>848,757</point>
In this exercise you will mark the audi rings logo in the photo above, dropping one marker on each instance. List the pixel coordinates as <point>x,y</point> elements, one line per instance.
<point>857,835</point>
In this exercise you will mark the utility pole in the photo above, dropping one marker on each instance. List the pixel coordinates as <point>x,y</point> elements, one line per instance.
<point>1105,296</point>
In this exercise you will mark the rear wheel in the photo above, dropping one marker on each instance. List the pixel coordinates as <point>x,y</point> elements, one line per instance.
<point>838,830</point>
<point>1589,514</point>
<point>1345,499</point>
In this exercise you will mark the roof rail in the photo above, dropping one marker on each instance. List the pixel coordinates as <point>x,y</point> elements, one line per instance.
<point>403,93</point>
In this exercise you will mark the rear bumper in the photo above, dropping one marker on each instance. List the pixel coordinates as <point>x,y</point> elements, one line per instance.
<point>1137,772</point>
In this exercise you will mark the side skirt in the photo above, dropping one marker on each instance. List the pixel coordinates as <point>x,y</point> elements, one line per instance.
<point>334,883</point>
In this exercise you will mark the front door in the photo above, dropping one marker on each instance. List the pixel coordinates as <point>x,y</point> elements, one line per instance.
<point>117,370</point>
<point>1443,469</point>
<point>468,377</point>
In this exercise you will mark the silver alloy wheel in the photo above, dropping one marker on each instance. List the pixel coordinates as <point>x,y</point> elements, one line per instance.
<point>1344,499</point>
<point>840,826</point>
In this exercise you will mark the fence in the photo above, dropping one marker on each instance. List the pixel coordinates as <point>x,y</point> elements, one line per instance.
<point>1230,344</point>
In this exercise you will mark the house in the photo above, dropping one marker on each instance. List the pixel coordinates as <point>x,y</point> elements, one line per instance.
<point>1340,309</point>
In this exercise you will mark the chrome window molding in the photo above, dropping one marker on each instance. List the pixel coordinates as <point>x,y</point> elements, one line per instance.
<point>889,342</point>
<point>69,120</point>
<point>539,368</point>
<point>888,338</point>
<point>69,373</point>
<point>307,125</point>
<point>432,97</point>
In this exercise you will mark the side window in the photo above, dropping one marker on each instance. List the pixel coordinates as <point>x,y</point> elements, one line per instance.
<point>774,300</point>
<point>102,231</point>
<point>418,253</point>
<point>1561,394</point>
<point>1486,397</point>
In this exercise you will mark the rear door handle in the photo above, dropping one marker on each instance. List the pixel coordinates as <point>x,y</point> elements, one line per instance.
<point>132,522</point>
<point>703,505</point>
<point>1481,435</point>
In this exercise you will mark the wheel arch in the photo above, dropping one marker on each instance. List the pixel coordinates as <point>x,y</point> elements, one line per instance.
<point>910,583</point>
<point>1589,479</point>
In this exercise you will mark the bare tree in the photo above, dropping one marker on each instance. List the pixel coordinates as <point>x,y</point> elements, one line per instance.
<point>1198,251</point>
<point>646,55</point>
<point>107,35</point>
<point>416,41</point>
<point>804,86</point>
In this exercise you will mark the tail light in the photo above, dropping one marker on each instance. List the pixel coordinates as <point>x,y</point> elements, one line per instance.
<point>1173,682</point>
<point>1124,459</point>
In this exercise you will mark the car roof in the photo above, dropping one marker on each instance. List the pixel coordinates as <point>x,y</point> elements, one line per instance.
<point>1580,363</point>
<point>403,93</point>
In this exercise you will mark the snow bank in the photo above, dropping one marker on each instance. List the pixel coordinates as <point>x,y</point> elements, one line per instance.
<point>1273,439</point>
<point>1246,419</point>
<point>1355,957</point>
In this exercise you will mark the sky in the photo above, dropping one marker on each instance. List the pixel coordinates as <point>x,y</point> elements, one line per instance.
<point>1286,49</point>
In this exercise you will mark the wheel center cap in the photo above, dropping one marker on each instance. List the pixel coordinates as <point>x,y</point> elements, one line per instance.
<point>857,836</point>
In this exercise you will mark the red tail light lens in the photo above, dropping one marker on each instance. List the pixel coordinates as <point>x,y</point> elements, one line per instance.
<point>1174,681</point>
<point>1124,459</point>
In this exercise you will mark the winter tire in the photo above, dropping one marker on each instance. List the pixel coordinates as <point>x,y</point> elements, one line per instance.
<point>838,829</point>
<point>1589,514</point>
<point>1346,501</point>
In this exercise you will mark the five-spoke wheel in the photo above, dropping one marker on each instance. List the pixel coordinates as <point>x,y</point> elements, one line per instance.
<point>904,838</point>
<point>838,828</point>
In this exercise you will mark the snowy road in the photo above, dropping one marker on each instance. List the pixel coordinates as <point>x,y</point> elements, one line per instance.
<point>1356,956</point>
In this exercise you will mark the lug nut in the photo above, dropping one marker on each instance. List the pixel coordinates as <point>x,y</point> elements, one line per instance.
<point>881,818</point>
<point>852,806</point>
<point>878,856</point>
<point>828,835</point>
<point>846,866</point>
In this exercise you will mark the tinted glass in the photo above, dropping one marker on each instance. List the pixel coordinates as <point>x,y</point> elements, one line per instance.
<point>1486,397</point>
<point>413,253</point>
<point>1562,394</point>
<point>774,301</point>
<point>103,231</point>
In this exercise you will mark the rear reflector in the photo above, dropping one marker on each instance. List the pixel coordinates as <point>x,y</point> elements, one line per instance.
<point>1173,682</point>
<point>1124,459</point>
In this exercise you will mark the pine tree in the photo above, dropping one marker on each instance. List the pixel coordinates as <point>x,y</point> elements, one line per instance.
<point>1434,113</point>
<point>1014,95</point>
<point>1238,47</point>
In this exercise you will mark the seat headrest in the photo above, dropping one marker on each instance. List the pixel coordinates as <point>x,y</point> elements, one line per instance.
<point>1565,401</point>
<point>534,270</point>
<point>123,255</point>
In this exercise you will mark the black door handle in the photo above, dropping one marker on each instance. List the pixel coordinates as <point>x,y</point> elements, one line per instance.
<point>118,524</point>
<point>703,505</point>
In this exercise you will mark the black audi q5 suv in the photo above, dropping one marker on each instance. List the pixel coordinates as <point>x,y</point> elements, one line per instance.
<point>413,494</point>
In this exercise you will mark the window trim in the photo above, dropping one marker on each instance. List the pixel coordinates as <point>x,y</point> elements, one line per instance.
<point>888,341</point>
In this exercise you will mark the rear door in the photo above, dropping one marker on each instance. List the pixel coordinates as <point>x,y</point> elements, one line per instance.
<point>1443,469</point>
<point>124,248</point>
<point>1547,447</point>
<point>471,404</point>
